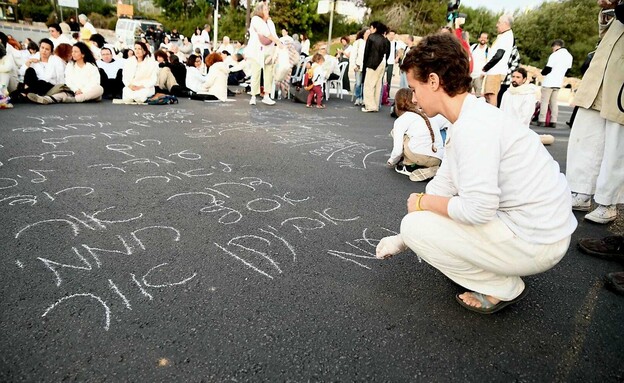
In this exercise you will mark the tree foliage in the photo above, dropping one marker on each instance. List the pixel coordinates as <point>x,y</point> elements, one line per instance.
<point>418,17</point>
<point>573,21</point>
<point>37,10</point>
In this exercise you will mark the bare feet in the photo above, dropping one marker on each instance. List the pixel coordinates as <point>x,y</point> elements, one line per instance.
<point>471,300</point>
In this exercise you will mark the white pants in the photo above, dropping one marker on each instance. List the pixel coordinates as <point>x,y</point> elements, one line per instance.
<point>372,86</point>
<point>94,93</point>
<point>129,95</point>
<point>549,99</point>
<point>488,259</point>
<point>595,163</point>
<point>256,69</point>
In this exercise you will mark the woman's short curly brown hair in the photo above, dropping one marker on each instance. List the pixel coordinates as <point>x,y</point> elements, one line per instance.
<point>443,55</point>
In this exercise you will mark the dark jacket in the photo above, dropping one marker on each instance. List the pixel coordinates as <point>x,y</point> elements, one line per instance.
<point>376,47</point>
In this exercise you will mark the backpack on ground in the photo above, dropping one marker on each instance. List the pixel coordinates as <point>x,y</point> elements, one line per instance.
<point>162,99</point>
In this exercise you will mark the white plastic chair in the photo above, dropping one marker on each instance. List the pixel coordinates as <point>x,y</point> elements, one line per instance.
<point>298,76</point>
<point>337,84</point>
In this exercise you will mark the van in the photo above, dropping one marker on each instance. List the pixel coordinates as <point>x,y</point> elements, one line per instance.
<point>130,30</point>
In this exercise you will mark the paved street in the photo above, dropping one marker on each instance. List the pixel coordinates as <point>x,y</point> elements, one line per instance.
<point>220,242</point>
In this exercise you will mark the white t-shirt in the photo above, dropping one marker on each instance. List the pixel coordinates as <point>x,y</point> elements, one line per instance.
<point>305,47</point>
<point>504,41</point>
<point>494,167</point>
<point>560,61</point>
<point>255,50</point>
<point>205,40</point>
<point>414,126</point>
<point>395,46</point>
<point>111,68</point>
<point>479,59</point>
<point>62,39</point>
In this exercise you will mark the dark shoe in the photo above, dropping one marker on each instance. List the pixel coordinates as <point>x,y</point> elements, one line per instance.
<point>405,169</point>
<point>615,282</point>
<point>611,248</point>
<point>230,93</point>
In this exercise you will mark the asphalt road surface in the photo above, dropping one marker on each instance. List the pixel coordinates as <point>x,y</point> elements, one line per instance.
<point>223,242</point>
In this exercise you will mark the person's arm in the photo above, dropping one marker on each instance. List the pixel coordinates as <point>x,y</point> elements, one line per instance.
<point>59,70</point>
<point>494,60</point>
<point>546,70</point>
<point>430,202</point>
<point>398,131</point>
<point>128,71</point>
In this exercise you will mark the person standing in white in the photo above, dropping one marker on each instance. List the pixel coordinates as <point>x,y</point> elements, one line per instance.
<point>262,41</point>
<point>479,59</point>
<point>499,207</point>
<point>558,64</point>
<point>497,66</point>
<point>595,148</point>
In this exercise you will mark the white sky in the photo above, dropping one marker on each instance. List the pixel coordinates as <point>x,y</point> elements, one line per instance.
<point>501,5</point>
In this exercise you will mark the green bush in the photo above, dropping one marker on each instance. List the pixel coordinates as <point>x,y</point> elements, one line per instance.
<point>37,10</point>
<point>96,6</point>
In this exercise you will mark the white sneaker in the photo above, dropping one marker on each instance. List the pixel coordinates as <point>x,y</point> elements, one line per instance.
<point>581,202</point>
<point>267,100</point>
<point>252,100</point>
<point>602,214</point>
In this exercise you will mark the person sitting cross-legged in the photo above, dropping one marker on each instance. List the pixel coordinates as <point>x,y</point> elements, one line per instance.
<point>498,208</point>
<point>82,77</point>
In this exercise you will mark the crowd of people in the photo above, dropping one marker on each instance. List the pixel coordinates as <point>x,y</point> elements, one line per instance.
<point>462,121</point>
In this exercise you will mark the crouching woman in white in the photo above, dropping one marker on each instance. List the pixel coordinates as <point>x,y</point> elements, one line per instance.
<point>416,140</point>
<point>140,75</point>
<point>499,207</point>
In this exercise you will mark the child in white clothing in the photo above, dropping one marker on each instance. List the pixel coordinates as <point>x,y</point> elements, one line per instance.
<point>415,140</point>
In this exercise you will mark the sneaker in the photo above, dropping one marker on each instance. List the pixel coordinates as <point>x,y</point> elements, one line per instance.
<point>404,169</point>
<point>422,174</point>
<point>602,214</point>
<point>367,110</point>
<point>252,100</point>
<point>581,202</point>
<point>611,248</point>
<point>267,100</point>
<point>34,97</point>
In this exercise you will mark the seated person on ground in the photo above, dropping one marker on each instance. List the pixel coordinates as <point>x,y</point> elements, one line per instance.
<point>167,82</point>
<point>81,77</point>
<point>194,76</point>
<point>110,74</point>
<point>41,74</point>
<point>415,140</point>
<point>519,101</point>
<point>498,208</point>
<point>140,75</point>
<point>214,85</point>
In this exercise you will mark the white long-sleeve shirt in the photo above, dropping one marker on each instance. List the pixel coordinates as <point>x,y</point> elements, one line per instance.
<point>194,79</point>
<point>83,79</point>
<point>215,82</point>
<point>415,127</point>
<point>143,74</point>
<point>52,71</point>
<point>494,167</point>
